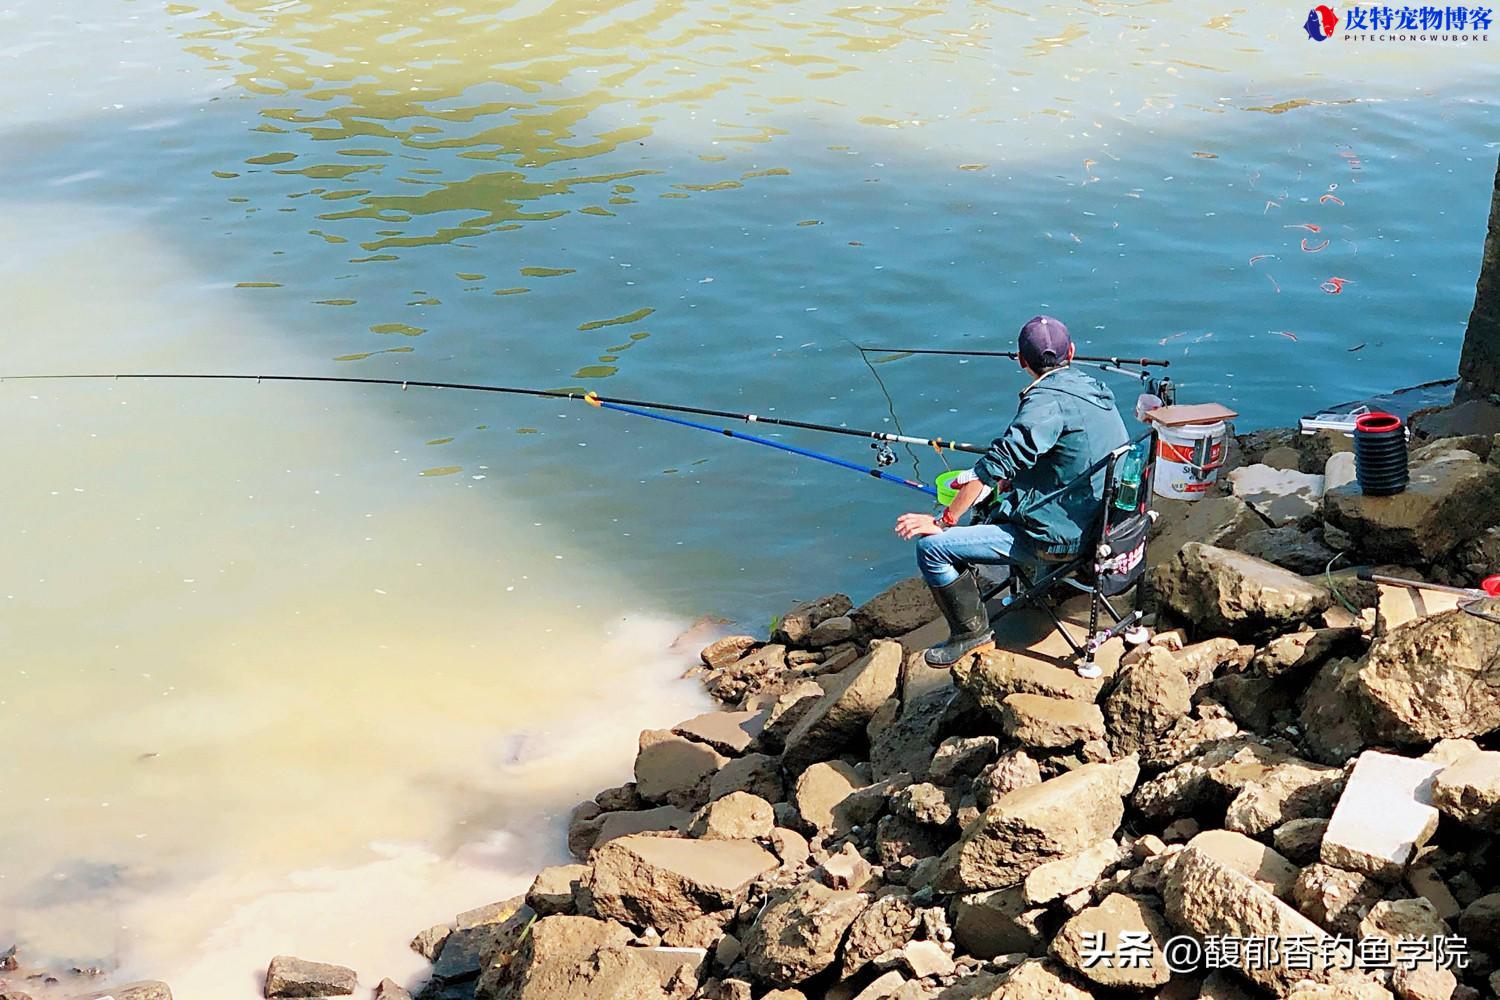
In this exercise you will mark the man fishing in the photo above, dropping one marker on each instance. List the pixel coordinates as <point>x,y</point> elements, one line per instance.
<point>1066,424</point>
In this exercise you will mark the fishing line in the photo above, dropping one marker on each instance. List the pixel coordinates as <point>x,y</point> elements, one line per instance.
<point>890,405</point>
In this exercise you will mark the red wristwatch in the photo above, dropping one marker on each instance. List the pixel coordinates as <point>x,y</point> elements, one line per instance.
<point>946,522</point>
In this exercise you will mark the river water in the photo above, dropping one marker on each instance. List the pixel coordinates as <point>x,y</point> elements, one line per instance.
<point>293,668</point>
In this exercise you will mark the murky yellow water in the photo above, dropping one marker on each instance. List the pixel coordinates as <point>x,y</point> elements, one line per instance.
<point>304,669</point>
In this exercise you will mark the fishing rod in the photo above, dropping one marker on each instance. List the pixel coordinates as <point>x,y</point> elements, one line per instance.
<point>757,439</point>
<point>1161,387</point>
<point>1139,362</point>
<point>639,408</point>
<point>1488,589</point>
<point>942,444</point>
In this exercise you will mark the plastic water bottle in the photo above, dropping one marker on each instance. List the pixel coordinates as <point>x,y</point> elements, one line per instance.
<point>1128,480</point>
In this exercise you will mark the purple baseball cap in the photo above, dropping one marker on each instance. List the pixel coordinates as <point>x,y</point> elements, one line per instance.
<point>1044,343</point>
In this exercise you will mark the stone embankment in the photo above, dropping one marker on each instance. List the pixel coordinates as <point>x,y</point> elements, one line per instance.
<point>1292,790</point>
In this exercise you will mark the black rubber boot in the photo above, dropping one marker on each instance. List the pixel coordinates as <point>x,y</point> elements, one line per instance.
<point>968,622</point>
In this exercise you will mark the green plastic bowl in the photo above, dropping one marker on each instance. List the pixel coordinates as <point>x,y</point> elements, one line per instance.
<point>946,493</point>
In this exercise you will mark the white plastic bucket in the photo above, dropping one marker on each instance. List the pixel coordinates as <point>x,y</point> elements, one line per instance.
<point>1188,459</point>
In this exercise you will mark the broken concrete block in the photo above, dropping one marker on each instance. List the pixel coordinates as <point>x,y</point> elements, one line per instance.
<point>295,977</point>
<point>675,770</point>
<point>1384,815</point>
<point>1116,944</point>
<point>1281,496</point>
<point>660,881</point>
<point>839,717</point>
<point>1056,879</point>
<point>1205,897</point>
<point>1250,858</point>
<point>1040,823</point>
<point>730,733</point>
<point>798,932</point>
<point>1050,723</point>
<point>822,789</point>
<point>1469,790</point>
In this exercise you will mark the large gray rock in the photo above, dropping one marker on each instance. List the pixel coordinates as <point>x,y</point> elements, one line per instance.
<point>1035,720</point>
<point>737,816</point>
<point>756,773</point>
<point>730,733</point>
<point>998,922</point>
<point>1288,547</point>
<point>1150,696</point>
<point>1452,497</point>
<point>555,889</point>
<point>786,711</point>
<point>996,675</point>
<point>295,977</point>
<point>1469,790</point>
<point>1281,496</point>
<point>1040,823</point>
<point>145,990</point>
<point>1128,963</point>
<point>660,881</point>
<point>1232,593</point>
<point>896,610</point>
<point>823,789</point>
<point>798,932</point>
<point>797,625</point>
<point>1334,898</point>
<point>885,925</point>
<point>1206,897</point>
<point>613,825</point>
<point>675,770</point>
<point>1431,679</point>
<point>573,958</point>
<point>908,744</point>
<point>838,719</point>
<point>1250,858</point>
<point>1214,520</point>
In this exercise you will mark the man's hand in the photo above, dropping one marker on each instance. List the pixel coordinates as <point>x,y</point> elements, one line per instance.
<point>911,526</point>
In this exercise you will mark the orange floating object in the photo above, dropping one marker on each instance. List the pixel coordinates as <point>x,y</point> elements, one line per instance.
<point>1333,286</point>
<point>1325,199</point>
<point>1310,227</point>
<point>1315,249</point>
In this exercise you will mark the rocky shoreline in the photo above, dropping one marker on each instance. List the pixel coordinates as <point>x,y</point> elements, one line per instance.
<point>1300,772</point>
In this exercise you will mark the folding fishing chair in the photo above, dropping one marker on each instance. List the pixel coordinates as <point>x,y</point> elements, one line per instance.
<point>1110,560</point>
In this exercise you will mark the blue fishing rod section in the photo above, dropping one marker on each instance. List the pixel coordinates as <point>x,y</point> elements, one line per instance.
<point>757,439</point>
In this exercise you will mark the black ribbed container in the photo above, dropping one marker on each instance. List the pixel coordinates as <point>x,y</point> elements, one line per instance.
<point>1380,454</point>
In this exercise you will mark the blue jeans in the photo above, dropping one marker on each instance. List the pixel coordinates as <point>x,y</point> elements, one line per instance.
<point>944,556</point>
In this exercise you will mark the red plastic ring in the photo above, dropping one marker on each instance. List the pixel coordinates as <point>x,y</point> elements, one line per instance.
<point>1377,423</point>
<point>1491,585</point>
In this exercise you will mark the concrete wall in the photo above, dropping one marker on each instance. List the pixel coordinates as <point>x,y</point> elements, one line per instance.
<point>1479,366</point>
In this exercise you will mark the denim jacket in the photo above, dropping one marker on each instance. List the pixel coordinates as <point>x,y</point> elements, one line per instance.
<point>1067,421</point>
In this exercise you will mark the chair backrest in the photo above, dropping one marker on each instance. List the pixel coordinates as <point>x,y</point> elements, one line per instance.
<point>1120,543</point>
